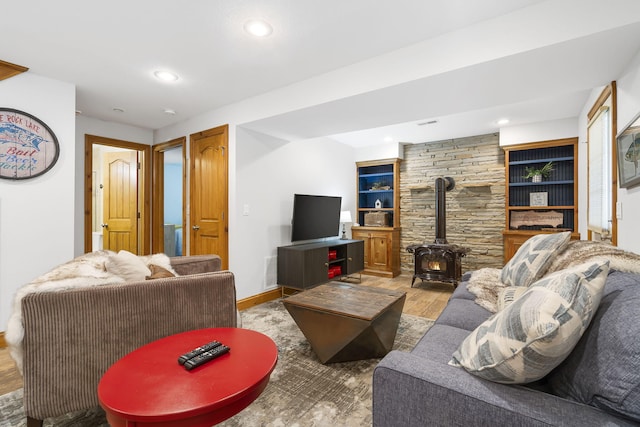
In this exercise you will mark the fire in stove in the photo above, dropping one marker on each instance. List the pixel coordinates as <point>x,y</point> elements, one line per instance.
<point>439,261</point>
<point>435,266</point>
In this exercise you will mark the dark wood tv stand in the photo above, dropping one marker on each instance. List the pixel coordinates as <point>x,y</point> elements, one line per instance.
<point>306,265</point>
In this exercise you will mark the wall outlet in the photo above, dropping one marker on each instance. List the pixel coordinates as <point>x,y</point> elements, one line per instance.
<point>618,210</point>
<point>245,209</point>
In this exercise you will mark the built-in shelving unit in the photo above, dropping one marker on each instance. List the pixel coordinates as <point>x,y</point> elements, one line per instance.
<point>556,195</point>
<point>378,215</point>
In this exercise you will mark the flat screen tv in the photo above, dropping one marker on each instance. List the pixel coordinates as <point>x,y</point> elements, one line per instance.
<point>315,217</point>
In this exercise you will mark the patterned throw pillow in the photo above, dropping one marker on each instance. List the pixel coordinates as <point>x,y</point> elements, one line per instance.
<point>508,295</point>
<point>535,333</point>
<point>532,259</point>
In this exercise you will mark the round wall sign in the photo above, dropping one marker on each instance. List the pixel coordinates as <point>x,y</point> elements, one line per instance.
<point>28,147</point>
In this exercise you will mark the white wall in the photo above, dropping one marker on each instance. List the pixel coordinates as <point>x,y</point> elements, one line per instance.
<point>393,150</point>
<point>91,126</point>
<point>37,215</point>
<point>628,89</point>
<point>533,132</point>
<point>269,172</point>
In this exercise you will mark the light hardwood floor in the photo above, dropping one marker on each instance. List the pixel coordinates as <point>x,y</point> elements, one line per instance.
<point>424,300</point>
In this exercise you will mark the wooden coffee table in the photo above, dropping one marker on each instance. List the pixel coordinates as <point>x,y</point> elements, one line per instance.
<point>345,322</point>
<point>148,387</point>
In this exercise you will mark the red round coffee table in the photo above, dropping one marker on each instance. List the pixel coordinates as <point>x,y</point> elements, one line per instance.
<point>148,387</point>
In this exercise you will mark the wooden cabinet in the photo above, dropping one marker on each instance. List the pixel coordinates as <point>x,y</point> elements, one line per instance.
<point>546,206</point>
<point>381,250</point>
<point>306,265</point>
<point>378,215</point>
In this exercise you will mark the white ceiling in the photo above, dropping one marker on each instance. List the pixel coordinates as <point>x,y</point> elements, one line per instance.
<point>110,50</point>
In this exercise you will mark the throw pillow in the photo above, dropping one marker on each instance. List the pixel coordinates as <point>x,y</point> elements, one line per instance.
<point>604,368</point>
<point>160,260</point>
<point>508,295</point>
<point>532,259</point>
<point>158,272</point>
<point>128,266</point>
<point>534,334</point>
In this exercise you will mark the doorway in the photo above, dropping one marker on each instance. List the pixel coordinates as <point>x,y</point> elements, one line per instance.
<point>209,189</point>
<point>169,184</point>
<point>127,183</point>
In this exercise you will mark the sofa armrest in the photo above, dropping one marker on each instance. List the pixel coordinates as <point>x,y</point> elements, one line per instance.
<point>72,337</point>
<point>194,264</point>
<point>412,391</point>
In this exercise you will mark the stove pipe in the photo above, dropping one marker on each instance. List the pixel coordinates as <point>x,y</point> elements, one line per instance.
<point>442,186</point>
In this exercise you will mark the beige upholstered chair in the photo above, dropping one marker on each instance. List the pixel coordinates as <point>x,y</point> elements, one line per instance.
<point>72,337</point>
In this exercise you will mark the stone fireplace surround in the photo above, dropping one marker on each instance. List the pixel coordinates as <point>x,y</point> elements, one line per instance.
<point>475,207</point>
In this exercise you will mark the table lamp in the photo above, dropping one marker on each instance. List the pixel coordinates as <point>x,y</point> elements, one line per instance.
<point>345,216</point>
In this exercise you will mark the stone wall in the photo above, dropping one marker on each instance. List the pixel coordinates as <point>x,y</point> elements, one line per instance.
<point>475,207</point>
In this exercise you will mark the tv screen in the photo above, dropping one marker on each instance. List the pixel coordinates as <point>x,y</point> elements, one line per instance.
<point>315,217</point>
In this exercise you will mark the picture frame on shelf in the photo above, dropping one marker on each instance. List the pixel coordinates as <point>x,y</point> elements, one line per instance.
<point>539,199</point>
<point>628,154</point>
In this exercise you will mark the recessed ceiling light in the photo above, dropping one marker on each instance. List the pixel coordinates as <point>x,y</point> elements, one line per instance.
<point>170,111</point>
<point>388,139</point>
<point>430,122</point>
<point>118,109</point>
<point>503,121</point>
<point>258,28</point>
<point>78,112</point>
<point>166,76</point>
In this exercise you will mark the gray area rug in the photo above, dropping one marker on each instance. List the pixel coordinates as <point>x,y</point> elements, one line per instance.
<point>301,393</point>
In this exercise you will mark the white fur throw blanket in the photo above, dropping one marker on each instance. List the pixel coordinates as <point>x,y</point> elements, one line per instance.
<point>485,283</point>
<point>88,270</point>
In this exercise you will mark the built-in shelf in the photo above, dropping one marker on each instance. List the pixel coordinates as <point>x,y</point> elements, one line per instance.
<point>559,192</point>
<point>533,208</point>
<point>379,227</point>
<point>545,160</point>
<point>543,183</point>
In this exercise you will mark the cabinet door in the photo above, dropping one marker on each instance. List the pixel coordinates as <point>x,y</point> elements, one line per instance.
<point>316,267</point>
<point>355,257</point>
<point>364,236</point>
<point>379,250</point>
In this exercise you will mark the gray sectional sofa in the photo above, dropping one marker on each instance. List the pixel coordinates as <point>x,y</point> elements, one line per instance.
<point>599,382</point>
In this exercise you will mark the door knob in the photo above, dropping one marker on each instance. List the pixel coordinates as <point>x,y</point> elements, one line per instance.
<point>196,227</point>
<point>104,225</point>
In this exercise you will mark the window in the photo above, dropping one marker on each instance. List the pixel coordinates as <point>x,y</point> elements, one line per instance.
<point>601,133</point>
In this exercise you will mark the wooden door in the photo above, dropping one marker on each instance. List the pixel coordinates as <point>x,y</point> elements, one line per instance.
<point>209,190</point>
<point>120,201</point>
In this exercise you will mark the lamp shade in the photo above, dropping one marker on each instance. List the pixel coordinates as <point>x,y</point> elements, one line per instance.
<point>345,216</point>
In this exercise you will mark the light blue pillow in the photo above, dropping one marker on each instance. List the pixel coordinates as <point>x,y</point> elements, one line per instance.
<point>533,258</point>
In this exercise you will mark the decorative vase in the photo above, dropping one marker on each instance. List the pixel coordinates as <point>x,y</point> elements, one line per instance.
<point>536,178</point>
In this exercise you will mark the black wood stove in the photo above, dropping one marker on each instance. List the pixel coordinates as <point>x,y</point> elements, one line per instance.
<point>439,261</point>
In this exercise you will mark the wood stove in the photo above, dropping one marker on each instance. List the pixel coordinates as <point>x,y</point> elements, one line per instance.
<point>439,261</point>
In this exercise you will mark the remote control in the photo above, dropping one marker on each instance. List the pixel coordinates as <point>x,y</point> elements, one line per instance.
<point>206,357</point>
<point>198,350</point>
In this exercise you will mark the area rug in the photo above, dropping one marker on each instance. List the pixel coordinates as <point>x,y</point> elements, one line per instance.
<point>302,392</point>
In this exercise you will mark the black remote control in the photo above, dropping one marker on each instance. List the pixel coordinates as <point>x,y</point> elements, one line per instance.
<point>206,357</point>
<point>198,350</point>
